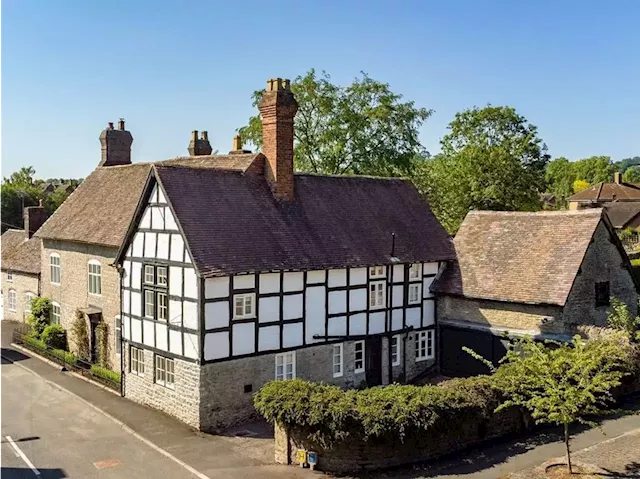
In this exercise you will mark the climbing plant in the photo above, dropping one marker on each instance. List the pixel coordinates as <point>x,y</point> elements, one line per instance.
<point>80,335</point>
<point>102,343</point>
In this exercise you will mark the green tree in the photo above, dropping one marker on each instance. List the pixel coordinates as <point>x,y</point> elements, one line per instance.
<point>621,319</point>
<point>622,165</point>
<point>363,128</point>
<point>563,383</point>
<point>492,159</point>
<point>40,316</point>
<point>560,176</point>
<point>631,175</point>
<point>595,169</point>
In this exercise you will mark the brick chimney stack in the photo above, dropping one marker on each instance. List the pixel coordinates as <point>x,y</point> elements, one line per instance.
<point>199,146</point>
<point>277,108</point>
<point>34,218</point>
<point>617,177</point>
<point>116,145</point>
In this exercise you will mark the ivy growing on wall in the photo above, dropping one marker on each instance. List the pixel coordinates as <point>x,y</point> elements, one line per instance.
<point>80,335</point>
<point>102,343</point>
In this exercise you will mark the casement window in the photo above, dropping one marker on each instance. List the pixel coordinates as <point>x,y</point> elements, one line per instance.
<point>337,360</point>
<point>414,271</point>
<point>95,277</point>
<point>377,272</point>
<point>118,335</point>
<point>10,276</point>
<point>55,313</point>
<point>12,300</point>
<point>414,293</point>
<point>156,300</point>
<point>377,294</point>
<point>424,345</point>
<point>358,358</point>
<point>244,306</point>
<point>136,361</point>
<point>286,366</point>
<point>602,293</point>
<point>54,268</point>
<point>396,345</point>
<point>164,372</point>
<point>27,302</point>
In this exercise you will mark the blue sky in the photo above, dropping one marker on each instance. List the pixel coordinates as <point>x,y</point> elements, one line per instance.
<point>570,67</point>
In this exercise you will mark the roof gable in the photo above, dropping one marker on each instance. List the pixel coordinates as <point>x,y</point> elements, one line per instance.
<point>520,257</point>
<point>608,192</point>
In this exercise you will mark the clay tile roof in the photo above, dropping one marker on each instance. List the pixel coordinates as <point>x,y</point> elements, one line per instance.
<point>10,239</point>
<point>24,257</point>
<point>100,210</point>
<point>608,192</point>
<point>621,214</point>
<point>519,257</point>
<point>233,224</point>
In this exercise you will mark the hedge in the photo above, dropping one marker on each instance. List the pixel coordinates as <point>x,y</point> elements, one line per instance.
<point>54,336</point>
<point>105,373</point>
<point>394,411</point>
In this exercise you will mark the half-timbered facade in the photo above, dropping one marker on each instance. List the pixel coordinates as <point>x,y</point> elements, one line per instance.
<point>233,278</point>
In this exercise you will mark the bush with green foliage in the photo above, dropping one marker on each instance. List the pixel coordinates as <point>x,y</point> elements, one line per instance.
<point>34,343</point>
<point>621,319</point>
<point>40,315</point>
<point>105,373</point>
<point>55,337</point>
<point>102,342</point>
<point>80,336</point>
<point>391,412</point>
<point>64,356</point>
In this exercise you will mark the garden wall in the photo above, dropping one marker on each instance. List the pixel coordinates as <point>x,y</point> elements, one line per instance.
<point>357,455</point>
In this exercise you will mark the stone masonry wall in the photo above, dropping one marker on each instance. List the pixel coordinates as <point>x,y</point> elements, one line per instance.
<point>222,385</point>
<point>22,284</point>
<point>602,262</point>
<point>498,314</point>
<point>73,291</point>
<point>182,402</point>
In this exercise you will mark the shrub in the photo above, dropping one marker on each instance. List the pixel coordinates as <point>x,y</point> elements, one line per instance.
<point>105,373</point>
<point>54,336</point>
<point>64,356</point>
<point>34,343</point>
<point>80,336</point>
<point>102,342</point>
<point>390,412</point>
<point>40,315</point>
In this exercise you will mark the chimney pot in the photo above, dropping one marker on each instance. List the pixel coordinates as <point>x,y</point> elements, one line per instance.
<point>199,146</point>
<point>110,125</point>
<point>121,124</point>
<point>205,135</point>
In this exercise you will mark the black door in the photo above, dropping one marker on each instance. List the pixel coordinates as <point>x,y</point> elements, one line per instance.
<point>373,360</point>
<point>94,345</point>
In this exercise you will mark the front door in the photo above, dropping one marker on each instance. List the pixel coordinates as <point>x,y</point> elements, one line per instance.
<point>373,358</point>
<point>94,345</point>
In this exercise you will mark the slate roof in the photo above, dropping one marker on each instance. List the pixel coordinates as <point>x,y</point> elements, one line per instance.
<point>519,257</point>
<point>623,214</point>
<point>20,255</point>
<point>233,224</point>
<point>608,192</point>
<point>100,210</point>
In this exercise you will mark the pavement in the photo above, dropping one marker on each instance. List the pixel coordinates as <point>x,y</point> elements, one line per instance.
<point>66,424</point>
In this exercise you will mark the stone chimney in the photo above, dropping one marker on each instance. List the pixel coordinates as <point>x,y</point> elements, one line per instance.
<point>237,148</point>
<point>277,108</point>
<point>617,177</point>
<point>34,218</point>
<point>199,146</point>
<point>116,145</point>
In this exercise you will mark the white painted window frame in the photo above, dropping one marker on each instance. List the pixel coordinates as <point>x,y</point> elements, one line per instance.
<point>162,279</point>
<point>362,367</point>
<point>283,357</point>
<point>426,350</point>
<point>12,300</point>
<point>95,276</point>
<point>164,371</point>
<point>138,361</point>
<point>117,337</point>
<point>244,297</point>
<point>10,276</point>
<point>56,317</point>
<point>28,296</point>
<point>377,294</point>
<point>414,271</point>
<point>153,274</point>
<point>414,287</point>
<point>398,347</point>
<point>337,360</point>
<point>377,272</point>
<point>146,303</point>
<point>162,309</point>
<point>55,267</point>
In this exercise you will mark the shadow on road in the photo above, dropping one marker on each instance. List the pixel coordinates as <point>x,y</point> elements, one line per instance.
<point>630,470</point>
<point>25,472</point>
<point>12,356</point>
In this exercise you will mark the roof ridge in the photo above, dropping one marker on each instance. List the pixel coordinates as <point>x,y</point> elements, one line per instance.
<point>350,176</point>
<point>584,212</point>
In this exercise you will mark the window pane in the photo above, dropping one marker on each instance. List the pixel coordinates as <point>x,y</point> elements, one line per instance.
<point>149,304</point>
<point>148,274</point>
<point>162,276</point>
<point>248,306</point>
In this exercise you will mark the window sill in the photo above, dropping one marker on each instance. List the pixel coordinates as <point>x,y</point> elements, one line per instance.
<point>426,358</point>
<point>377,308</point>
<point>414,303</point>
<point>97,295</point>
<point>395,364</point>
<point>55,284</point>
<point>338,375</point>
<point>358,371</point>
<point>244,317</point>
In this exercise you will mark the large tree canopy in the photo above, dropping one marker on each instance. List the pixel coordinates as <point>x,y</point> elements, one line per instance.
<point>363,128</point>
<point>492,159</point>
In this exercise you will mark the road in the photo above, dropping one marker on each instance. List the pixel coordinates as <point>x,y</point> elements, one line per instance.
<point>56,435</point>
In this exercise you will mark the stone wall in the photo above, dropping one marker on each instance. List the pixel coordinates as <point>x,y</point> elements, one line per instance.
<point>22,284</point>
<point>224,400</point>
<point>602,262</point>
<point>501,314</point>
<point>73,291</point>
<point>356,455</point>
<point>182,402</point>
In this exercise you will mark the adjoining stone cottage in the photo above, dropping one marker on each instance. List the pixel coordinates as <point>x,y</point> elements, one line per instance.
<point>538,274</point>
<point>21,265</point>
<point>237,271</point>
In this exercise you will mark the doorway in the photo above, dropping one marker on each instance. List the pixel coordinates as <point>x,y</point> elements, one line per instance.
<point>373,359</point>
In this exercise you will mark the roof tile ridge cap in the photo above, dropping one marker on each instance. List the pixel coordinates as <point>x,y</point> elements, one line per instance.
<point>357,177</point>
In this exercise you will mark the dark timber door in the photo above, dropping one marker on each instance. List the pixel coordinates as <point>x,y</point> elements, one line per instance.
<point>94,346</point>
<point>373,360</point>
